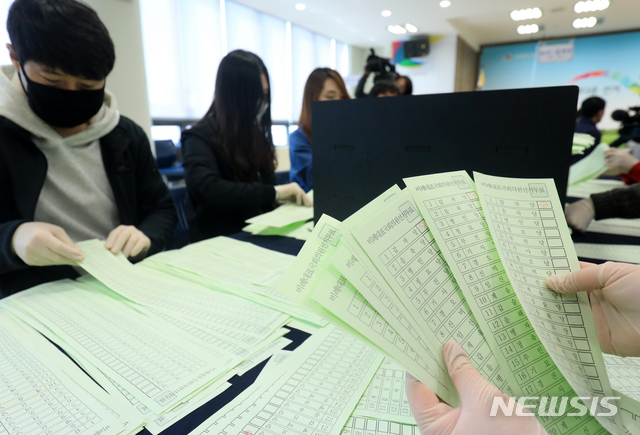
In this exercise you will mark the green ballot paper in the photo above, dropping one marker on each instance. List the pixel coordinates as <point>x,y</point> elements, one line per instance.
<point>448,260</point>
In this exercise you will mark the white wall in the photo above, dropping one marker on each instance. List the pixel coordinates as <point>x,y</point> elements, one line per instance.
<point>438,74</point>
<point>128,80</point>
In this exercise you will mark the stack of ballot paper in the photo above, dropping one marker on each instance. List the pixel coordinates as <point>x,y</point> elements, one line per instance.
<point>289,220</point>
<point>582,142</point>
<point>452,259</point>
<point>158,344</point>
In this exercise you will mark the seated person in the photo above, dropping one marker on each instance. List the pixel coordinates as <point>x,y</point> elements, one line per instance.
<point>618,203</point>
<point>229,157</point>
<point>622,162</point>
<point>384,88</point>
<point>590,114</point>
<point>405,85</point>
<point>71,168</point>
<point>324,84</point>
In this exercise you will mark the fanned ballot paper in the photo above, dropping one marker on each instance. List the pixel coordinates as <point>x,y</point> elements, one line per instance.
<point>448,260</point>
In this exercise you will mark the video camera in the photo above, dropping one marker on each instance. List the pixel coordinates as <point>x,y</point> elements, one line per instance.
<point>630,125</point>
<point>381,67</point>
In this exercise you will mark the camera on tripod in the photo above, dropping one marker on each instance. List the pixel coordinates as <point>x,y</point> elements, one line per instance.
<point>382,68</point>
<point>630,129</point>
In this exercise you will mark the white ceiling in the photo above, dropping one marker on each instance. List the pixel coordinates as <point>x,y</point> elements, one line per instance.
<point>360,23</point>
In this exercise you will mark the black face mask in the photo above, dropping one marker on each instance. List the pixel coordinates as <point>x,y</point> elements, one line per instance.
<point>62,108</point>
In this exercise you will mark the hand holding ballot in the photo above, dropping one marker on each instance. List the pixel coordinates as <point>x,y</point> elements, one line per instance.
<point>619,161</point>
<point>477,395</point>
<point>129,240</point>
<point>613,293</point>
<point>293,193</point>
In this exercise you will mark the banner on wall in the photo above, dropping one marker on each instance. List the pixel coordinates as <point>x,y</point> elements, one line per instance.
<point>607,66</point>
<point>550,53</point>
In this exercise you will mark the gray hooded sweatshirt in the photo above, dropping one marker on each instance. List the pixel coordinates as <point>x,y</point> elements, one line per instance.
<point>76,194</point>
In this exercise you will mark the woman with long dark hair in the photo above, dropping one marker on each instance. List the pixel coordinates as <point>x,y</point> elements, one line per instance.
<point>229,157</point>
<point>324,84</point>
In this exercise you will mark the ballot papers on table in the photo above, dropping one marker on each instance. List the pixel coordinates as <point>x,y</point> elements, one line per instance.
<point>313,392</point>
<point>236,318</point>
<point>159,365</point>
<point>42,391</point>
<point>235,267</point>
<point>447,259</point>
<point>289,220</point>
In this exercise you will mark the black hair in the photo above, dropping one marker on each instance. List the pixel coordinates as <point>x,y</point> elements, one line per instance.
<point>384,86</point>
<point>246,145</point>
<point>62,34</point>
<point>408,90</point>
<point>590,107</point>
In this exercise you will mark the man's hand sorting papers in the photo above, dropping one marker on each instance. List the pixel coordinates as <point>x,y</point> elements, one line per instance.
<point>42,244</point>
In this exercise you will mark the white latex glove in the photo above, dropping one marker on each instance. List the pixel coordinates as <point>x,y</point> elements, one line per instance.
<point>580,214</point>
<point>614,293</point>
<point>128,239</point>
<point>620,160</point>
<point>292,192</point>
<point>42,244</point>
<point>476,393</point>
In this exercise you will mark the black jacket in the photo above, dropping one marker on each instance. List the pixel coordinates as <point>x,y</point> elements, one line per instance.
<point>618,203</point>
<point>221,205</point>
<point>142,198</point>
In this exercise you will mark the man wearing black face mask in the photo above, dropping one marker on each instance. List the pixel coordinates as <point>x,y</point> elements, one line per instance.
<point>71,168</point>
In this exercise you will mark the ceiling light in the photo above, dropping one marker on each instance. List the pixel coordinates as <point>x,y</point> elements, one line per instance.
<point>301,6</point>
<point>445,3</point>
<point>591,6</point>
<point>584,23</point>
<point>528,29</point>
<point>411,28</point>
<point>386,14</point>
<point>397,30</point>
<point>526,14</point>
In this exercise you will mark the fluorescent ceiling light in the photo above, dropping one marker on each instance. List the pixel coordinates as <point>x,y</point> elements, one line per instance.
<point>386,14</point>
<point>397,30</point>
<point>526,14</point>
<point>591,6</point>
<point>411,28</point>
<point>528,29</point>
<point>584,23</point>
<point>445,3</point>
<point>301,6</point>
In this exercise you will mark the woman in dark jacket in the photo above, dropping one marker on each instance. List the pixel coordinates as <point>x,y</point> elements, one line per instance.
<point>229,155</point>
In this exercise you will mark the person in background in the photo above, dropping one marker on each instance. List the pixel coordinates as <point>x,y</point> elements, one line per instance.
<point>229,157</point>
<point>324,84</point>
<point>405,85</point>
<point>71,167</point>
<point>384,88</point>
<point>590,114</point>
<point>612,289</point>
<point>621,203</point>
